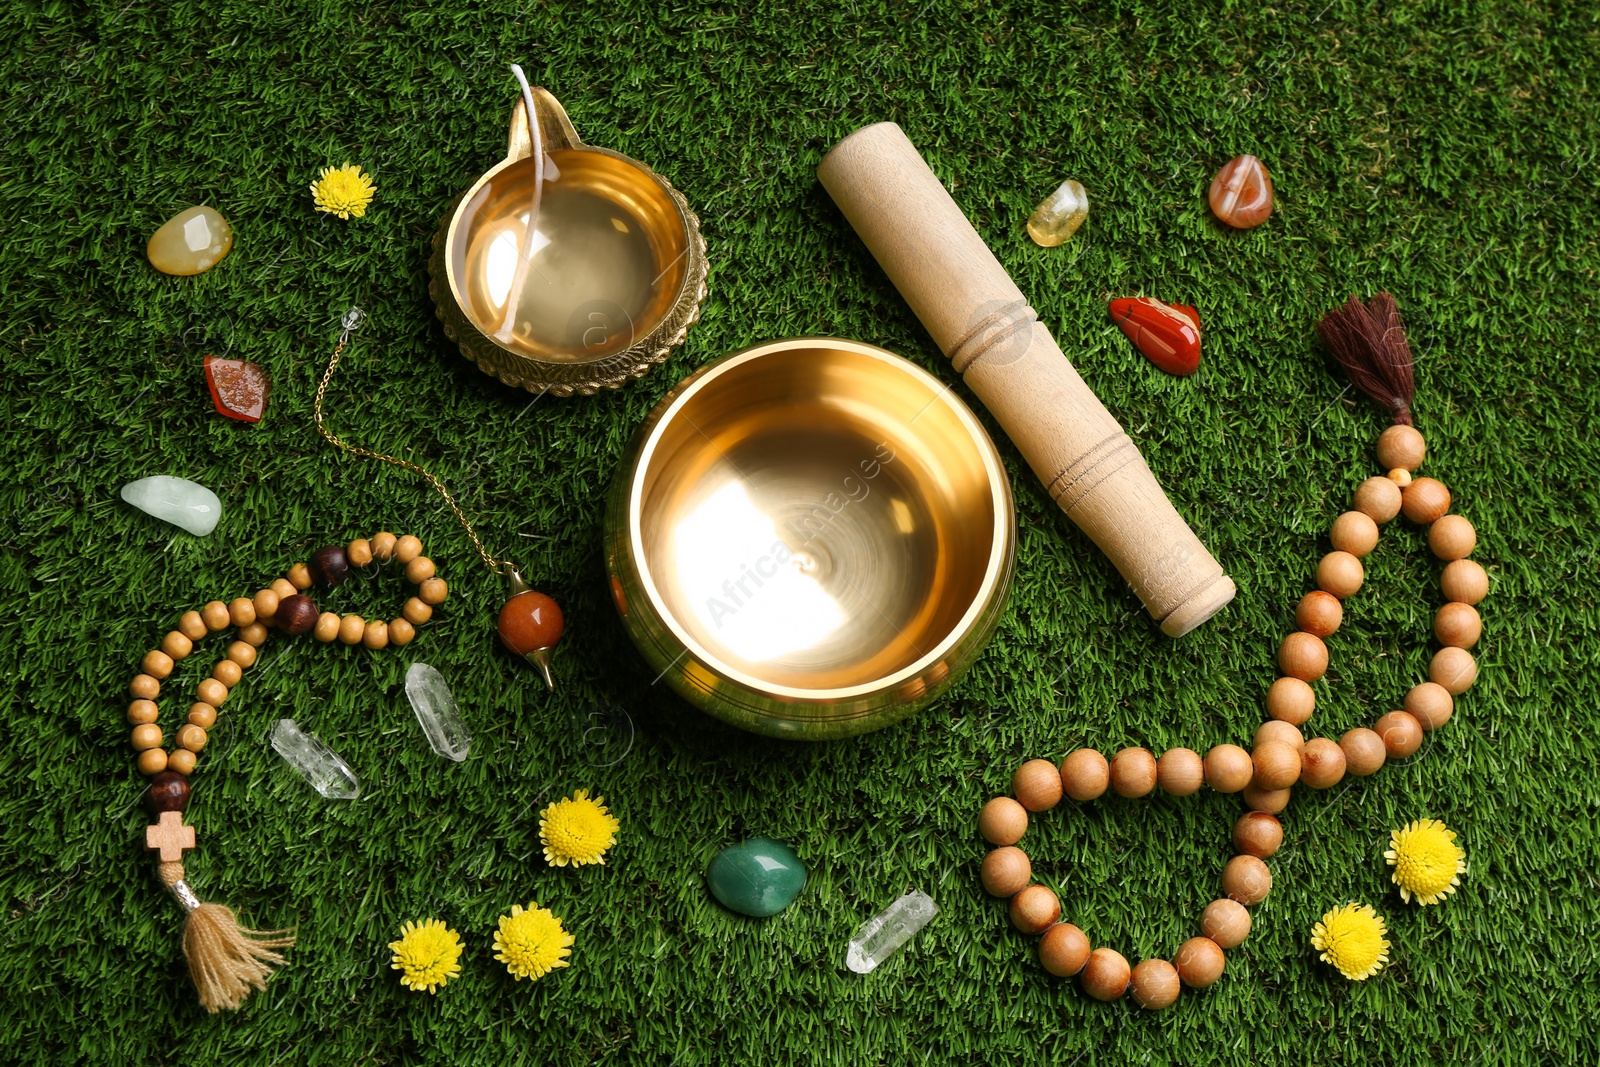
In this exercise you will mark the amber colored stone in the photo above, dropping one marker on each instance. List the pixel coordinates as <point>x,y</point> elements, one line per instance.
<point>296,614</point>
<point>1241,193</point>
<point>1059,215</point>
<point>530,621</point>
<point>1167,334</point>
<point>238,388</point>
<point>168,792</point>
<point>191,242</point>
<point>330,566</point>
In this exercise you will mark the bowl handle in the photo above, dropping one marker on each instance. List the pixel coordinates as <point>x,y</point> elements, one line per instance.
<point>979,317</point>
<point>555,129</point>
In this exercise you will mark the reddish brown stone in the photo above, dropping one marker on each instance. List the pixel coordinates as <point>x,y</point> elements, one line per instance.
<point>238,389</point>
<point>1167,334</point>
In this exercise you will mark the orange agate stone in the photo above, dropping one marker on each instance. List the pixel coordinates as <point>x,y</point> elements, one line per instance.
<point>530,621</point>
<point>1241,193</point>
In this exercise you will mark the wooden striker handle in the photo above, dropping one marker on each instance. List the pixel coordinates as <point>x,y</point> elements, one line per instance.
<point>979,318</point>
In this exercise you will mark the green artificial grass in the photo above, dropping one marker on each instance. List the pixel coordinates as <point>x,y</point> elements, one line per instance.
<point>1444,151</point>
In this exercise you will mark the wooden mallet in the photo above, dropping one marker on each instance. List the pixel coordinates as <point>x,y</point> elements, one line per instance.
<point>978,317</point>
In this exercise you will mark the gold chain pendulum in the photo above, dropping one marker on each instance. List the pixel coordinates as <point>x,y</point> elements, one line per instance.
<point>530,622</point>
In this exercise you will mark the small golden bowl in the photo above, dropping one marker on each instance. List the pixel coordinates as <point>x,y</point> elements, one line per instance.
<point>810,538</point>
<point>614,283</point>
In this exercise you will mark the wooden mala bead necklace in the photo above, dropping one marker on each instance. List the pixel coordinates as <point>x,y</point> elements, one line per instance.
<point>226,960</point>
<point>1369,341</point>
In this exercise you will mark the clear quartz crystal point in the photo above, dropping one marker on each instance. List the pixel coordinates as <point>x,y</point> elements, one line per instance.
<point>430,698</point>
<point>884,933</point>
<point>316,762</point>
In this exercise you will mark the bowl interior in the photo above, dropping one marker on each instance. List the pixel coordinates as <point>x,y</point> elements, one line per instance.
<point>609,256</point>
<point>818,517</point>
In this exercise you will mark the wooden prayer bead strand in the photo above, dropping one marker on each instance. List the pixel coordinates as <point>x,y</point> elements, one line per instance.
<point>250,616</point>
<point>1282,757</point>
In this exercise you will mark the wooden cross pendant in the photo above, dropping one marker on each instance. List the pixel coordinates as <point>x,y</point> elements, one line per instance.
<point>170,836</point>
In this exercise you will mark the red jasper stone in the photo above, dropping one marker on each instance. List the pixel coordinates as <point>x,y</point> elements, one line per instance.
<point>238,389</point>
<point>1241,193</point>
<point>530,621</point>
<point>1167,334</point>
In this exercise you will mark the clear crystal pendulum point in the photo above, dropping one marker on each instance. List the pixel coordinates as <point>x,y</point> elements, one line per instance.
<point>883,934</point>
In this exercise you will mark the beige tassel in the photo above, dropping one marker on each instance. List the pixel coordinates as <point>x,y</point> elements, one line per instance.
<point>226,960</point>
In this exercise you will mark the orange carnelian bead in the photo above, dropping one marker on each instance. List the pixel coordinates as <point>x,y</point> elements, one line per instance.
<point>530,621</point>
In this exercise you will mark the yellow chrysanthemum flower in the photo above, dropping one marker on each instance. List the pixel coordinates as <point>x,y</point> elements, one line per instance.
<point>428,952</point>
<point>1351,938</point>
<point>1427,862</point>
<point>577,831</point>
<point>532,942</point>
<point>343,191</point>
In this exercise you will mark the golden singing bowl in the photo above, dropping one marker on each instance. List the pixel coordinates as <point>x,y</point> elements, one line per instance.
<point>810,538</point>
<point>615,278</point>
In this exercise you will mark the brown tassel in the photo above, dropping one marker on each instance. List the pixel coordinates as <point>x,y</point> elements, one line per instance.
<point>226,961</point>
<point>1369,341</point>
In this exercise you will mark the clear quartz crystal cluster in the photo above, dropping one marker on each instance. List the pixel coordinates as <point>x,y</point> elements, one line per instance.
<point>316,762</point>
<point>883,934</point>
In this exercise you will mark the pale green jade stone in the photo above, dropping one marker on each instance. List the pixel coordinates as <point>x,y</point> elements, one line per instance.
<point>176,500</point>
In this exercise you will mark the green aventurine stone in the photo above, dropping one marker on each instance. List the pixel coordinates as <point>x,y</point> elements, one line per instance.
<point>757,877</point>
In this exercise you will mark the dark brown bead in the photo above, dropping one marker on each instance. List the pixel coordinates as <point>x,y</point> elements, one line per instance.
<point>297,614</point>
<point>168,792</point>
<point>329,566</point>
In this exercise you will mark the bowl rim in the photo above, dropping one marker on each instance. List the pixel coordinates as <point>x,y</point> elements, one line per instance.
<point>995,571</point>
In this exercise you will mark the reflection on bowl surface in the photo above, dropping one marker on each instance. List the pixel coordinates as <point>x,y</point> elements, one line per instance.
<point>607,262</point>
<point>820,523</point>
